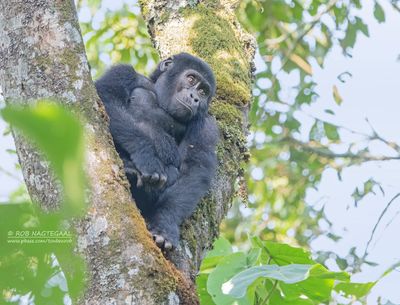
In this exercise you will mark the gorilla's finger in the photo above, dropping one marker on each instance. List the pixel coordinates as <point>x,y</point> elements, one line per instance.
<point>139,182</point>
<point>155,177</point>
<point>163,180</point>
<point>159,240</point>
<point>146,177</point>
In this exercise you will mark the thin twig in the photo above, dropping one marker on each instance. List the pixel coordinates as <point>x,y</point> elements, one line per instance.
<point>336,125</point>
<point>9,174</point>
<point>368,136</point>
<point>378,222</point>
<point>325,152</point>
<point>392,219</point>
<point>395,6</point>
<point>385,228</point>
<point>376,136</point>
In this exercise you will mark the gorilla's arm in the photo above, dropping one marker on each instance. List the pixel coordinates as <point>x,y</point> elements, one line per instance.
<point>134,144</point>
<point>129,98</point>
<point>198,167</point>
<point>153,120</point>
<point>117,84</point>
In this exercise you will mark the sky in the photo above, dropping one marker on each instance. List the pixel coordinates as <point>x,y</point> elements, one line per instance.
<point>372,92</point>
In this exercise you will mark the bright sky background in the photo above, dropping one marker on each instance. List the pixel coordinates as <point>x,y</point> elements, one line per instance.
<point>372,92</point>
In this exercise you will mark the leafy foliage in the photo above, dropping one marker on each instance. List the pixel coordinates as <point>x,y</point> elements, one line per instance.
<point>270,273</point>
<point>287,156</point>
<point>38,247</point>
<point>115,34</point>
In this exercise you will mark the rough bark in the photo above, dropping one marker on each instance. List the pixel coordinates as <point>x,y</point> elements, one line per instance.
<point>42,56</point>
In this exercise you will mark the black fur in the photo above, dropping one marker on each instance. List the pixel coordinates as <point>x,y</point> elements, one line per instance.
<point>165,137</point>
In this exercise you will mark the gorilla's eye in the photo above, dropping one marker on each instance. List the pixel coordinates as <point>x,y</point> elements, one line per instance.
<point>191,80</point>
<point>202,92</point>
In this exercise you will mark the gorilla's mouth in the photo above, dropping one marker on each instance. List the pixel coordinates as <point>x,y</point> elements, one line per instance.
<point>186,105</point>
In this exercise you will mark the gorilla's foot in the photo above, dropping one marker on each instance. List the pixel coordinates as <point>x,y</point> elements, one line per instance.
<point>162,243</point>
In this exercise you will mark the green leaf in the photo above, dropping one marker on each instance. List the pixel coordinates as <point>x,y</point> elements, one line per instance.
<point>334,237</point>
<point>357,3</point>
<point>31,263</point>
<point>221,248</point>
<point>317,287</point>
<point>278,299</point>
<point>316,131</point>
<point>201,284</point>
<point>360,193</point>
<point>357,290</point>
<point>320,272</point>
<point>59,135</point>
<point>336,96</point>
<point>379,13</point>
<point>253,257</point>
<point>283,254</point>
<point>237,286</point>
<point>226,269</point>
<point>350,38</point>
<point>342,263</point>
<point>361,26</point>
<point>331,132</point>
<point>317,290</point>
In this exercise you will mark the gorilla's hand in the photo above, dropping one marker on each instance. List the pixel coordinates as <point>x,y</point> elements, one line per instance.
<point>130,169</point>
<point>150,172</point>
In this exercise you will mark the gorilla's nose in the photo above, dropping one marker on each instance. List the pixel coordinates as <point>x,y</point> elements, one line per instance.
<point>195,99</point>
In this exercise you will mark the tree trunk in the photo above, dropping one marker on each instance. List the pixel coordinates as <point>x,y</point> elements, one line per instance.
<point>42,56</point>
<point>210,30</point>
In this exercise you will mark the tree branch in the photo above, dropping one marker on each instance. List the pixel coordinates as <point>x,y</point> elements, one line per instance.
<point>324,151</point>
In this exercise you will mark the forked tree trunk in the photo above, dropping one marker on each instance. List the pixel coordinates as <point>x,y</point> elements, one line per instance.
<point>210,30</point>
<point>42,56</point>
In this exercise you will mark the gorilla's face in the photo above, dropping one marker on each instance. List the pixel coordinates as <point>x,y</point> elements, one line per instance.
<point>184,90</point>
<point>191,95</point>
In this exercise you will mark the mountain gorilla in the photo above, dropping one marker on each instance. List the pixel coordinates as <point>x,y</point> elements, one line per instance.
<point>165,137</point>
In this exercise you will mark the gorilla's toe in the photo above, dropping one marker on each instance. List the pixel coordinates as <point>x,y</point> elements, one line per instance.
<point>162,242</point>
<point>154,178</point>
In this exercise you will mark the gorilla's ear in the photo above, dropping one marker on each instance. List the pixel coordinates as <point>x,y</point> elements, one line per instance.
<point>166,64</point>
